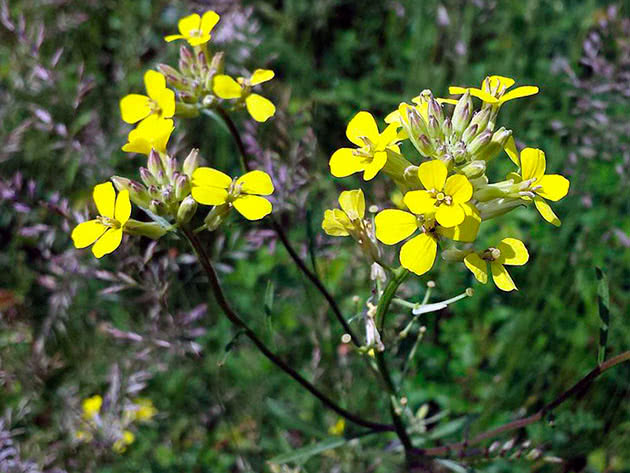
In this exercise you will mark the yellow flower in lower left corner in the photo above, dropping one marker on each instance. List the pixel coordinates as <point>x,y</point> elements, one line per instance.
<point>106,230</point>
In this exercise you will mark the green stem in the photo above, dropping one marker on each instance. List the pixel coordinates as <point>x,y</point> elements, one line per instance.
<point>236,320</point>
<point>283,237</point>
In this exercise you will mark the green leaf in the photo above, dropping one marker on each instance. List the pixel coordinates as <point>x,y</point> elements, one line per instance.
<point>290,420</point>
<point>449,428</point>
<point>302,454</point>
<point>603,302</point>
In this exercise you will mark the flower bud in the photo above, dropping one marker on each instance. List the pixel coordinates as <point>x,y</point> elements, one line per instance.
<point>435,129</point>
<point>497,143</point>
<point>191,162</point>
<point>454,255</point>
<point>462,113</point>
<point>469,133</point>
<point>173,76</point>
<point>216,65</point>
<point>435,110</point>
<point>481,119</point>
<point>474,169</point>
<point>186,210</point>
<point>158,208</point>
<point>186,59</point>
<point>186,110</point>
<point>168,194</point>
<point>480,141</point>
<point>497,207</point>
<point>151,230</point>
<point>447,127</point>
<point>170,167</point>
<point>148,178</point>
<point>154,192</point>
<point>154,163</point>
<point>202,62</point>
<point>182,186</point>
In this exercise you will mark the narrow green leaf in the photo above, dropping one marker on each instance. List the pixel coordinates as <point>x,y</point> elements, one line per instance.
<point>302,454</point>
<point>603,302</point>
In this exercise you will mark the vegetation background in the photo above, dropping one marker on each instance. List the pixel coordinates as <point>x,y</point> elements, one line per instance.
<point>142,322</point>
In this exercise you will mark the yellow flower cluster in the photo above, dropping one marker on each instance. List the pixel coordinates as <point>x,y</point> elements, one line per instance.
<point>170,191</point>
<point>447,194</point>
<point>111,426</point>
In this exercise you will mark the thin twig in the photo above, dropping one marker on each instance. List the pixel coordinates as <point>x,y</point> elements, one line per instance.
<point>578,387</point>
<point>283,237</point>
<point>240,323</point>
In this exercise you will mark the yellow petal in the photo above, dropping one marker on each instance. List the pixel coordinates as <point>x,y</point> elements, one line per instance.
<point>450,215</point>
<point>459,188</point>
<point>533,164</point>
<point>166,102</point>
<point>512,152</point>
<point>353,203</point>
<point>546,212</point>
<point>209,21</point>
<point>553,187</point>
<point>173,37</point>
<point>336,222</point>
<point>206,177</point>
<point>419,202</point>
<point>134,107</point>
<point>108,242</point>
<point>513,252</point>
<point>209,195</point>
<point>456,90</point>
<point>418,254</point>
<point>252,207</point>
<point>432,174</point>
<point>393,118</point>
<point>467,230</point>
<point>393,225</point>
<point>485,96</point>
<point>92,406</point>
<point>255,182</point>
<point>189,23</point>
<point>495,80</point>
<point>151,133</point>
<point>388,137</point>
<point>259,107</point>
<point>226,87</point>
<point>261,75</point>
<point>343,163</point>
<point>105,198</point>
<point>501,277</point>
<point>524,91</point>
<point>155,83</point>
<point>86,233</point>
<point>362,124</point>
<point>123,207</point>
<point>477,266</point>
<point>378,162</point>
<point>197,40</point>
<point>448,101</point>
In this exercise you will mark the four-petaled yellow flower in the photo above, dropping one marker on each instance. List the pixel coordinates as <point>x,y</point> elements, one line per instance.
<point>494,90</point>
<point>143,409</point>
<point>258,106</point>
<point>106,231</point>
<point>419,253</point>
<point>91,406</point>
<point>212,187</point>
<point>151,133</point>
<point>371,154</point>
<point>348,219</point>
<point>159,101</point>
<point>510,252</point>
<point>545,186</point>
<point>195,29</point>
<point>122,443</point>
<point>443,197</point>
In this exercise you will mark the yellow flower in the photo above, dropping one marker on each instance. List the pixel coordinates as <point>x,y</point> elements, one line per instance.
<point>338,428</point>
<point>151,133</point>
<point>195,29</point>
<point>258,106</point>
<point>159,100</point>
<point>494,90</point>
<point>371,154</point>
<point>443,197</point>
<point>418,254</point>
<point>143,409</point>
<point>348,219</point>
<point>510,252</point>
<point>106,230</point>
<point>212,187</point>
<point>121,444</point>
<point>91,407</point>
<point>544,186</point>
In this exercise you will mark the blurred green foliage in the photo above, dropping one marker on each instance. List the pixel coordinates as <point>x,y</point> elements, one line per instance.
<point>487,359</point>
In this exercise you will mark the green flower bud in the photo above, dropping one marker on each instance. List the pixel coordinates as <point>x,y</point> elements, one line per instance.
<point>474,169</point>
<point>447,127</point>
<point>154,163</point>
<point>148,178</point>
<point>435,129</point>
<point>469,133</point>
<point>151,230</point>
<point>479,142</point>
<point>462,113</point>
<point>182,186</point>
<point>481,119</point>
<point>216,216</point>
<point>435,110</point>
<point>454,255</point>
<point>492,150</point>
<point>191,162</point>
<point>186,210</point>
<point>170,167</point>
<point>185,110</point>
<point>173,76</point>
<point>158,207</point>
<point>498,207</point>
